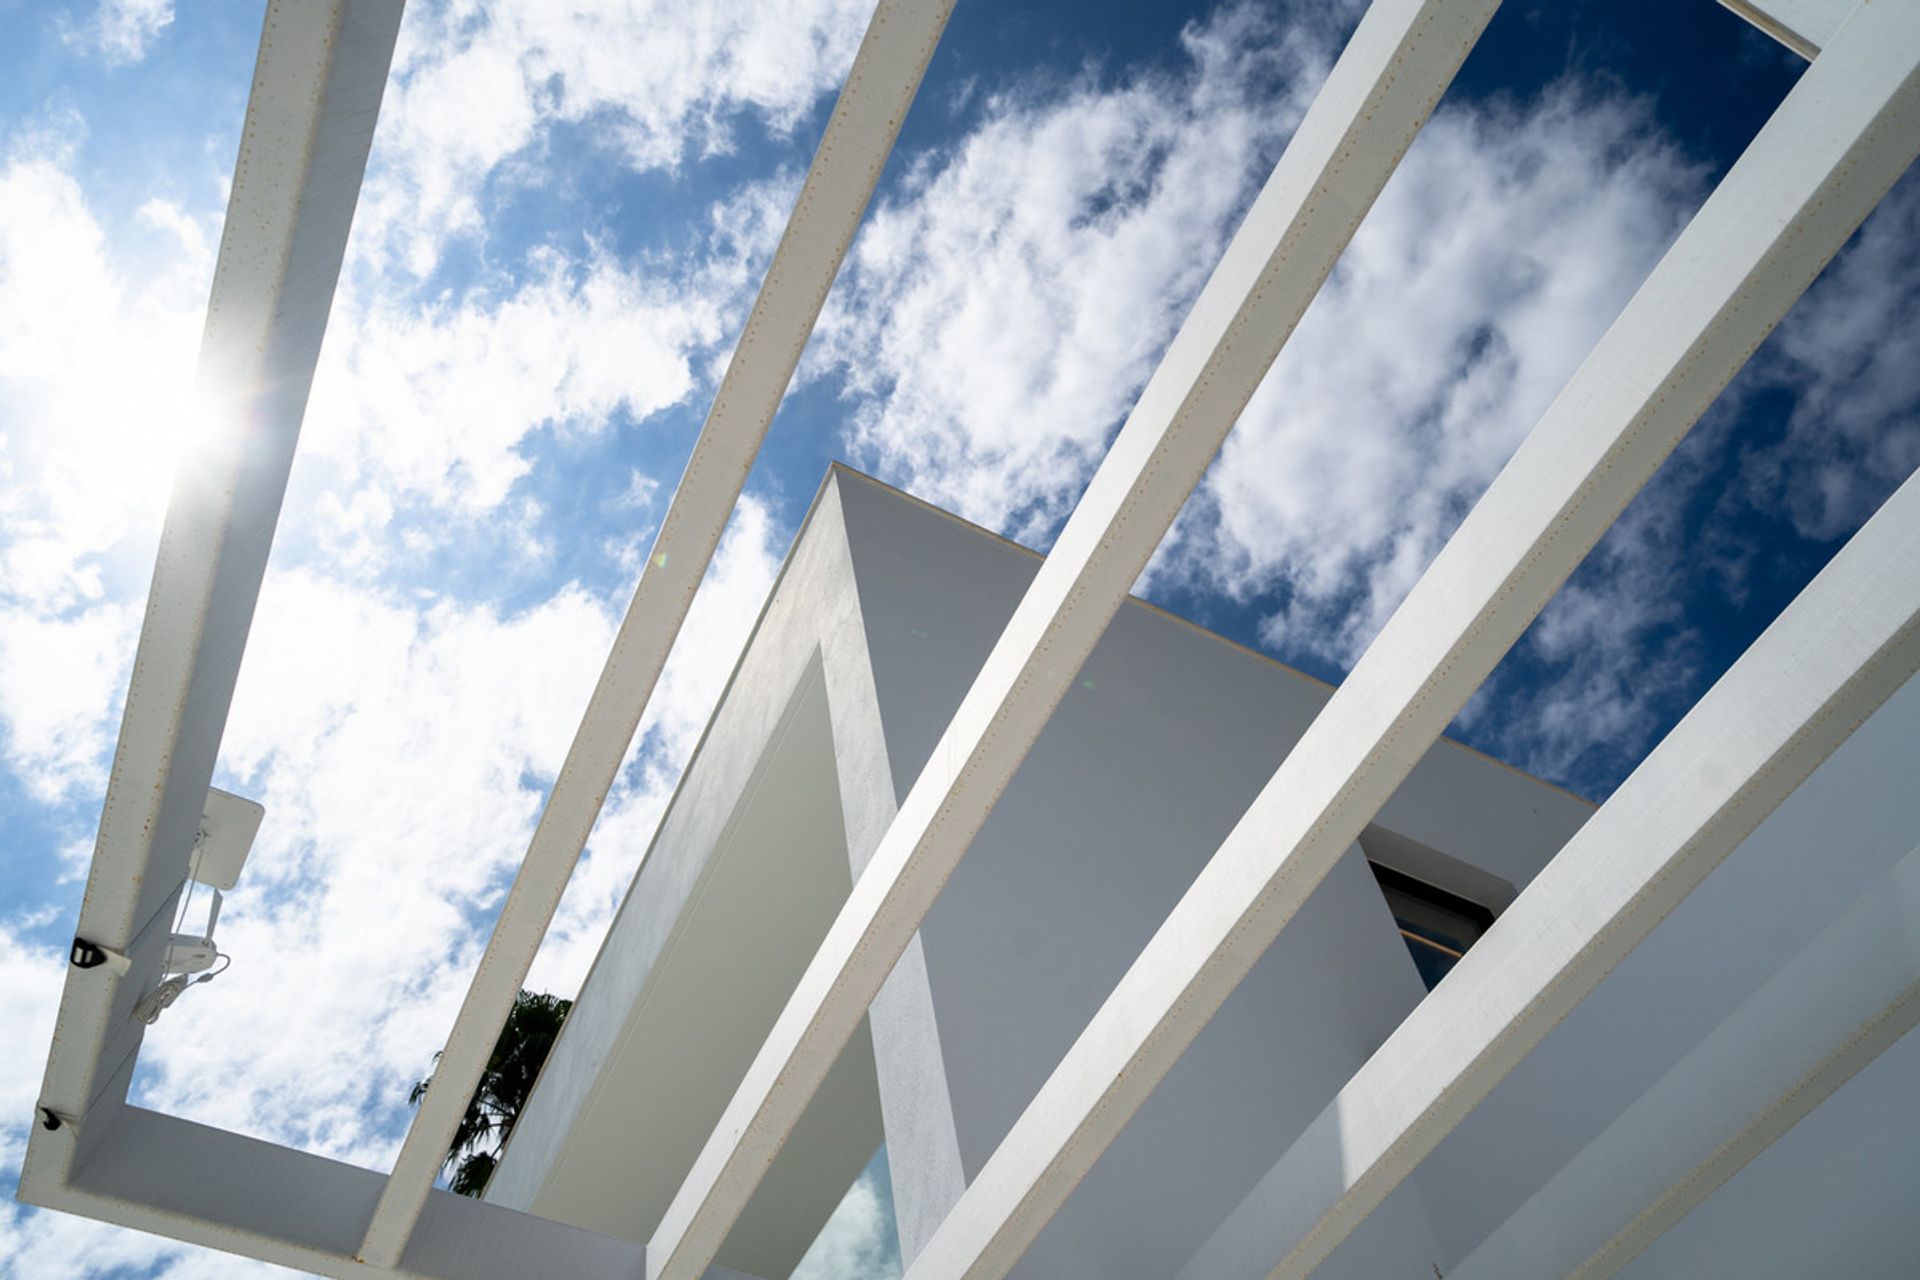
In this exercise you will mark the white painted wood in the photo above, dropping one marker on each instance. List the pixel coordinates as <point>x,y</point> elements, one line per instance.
<point>1804,26</point>
<point>1847,131</point>
<point>1814,1025</point>
<point>317,88</point>
<point>881,84</point>
<point>1374,102</point>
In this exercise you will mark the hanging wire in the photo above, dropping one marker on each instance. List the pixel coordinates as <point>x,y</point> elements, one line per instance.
<point>193,878</point>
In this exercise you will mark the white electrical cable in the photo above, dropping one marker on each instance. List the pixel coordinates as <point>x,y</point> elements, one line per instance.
<point>161,998</point>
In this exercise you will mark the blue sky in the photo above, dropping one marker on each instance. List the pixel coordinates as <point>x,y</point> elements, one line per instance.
<point>565,218</point>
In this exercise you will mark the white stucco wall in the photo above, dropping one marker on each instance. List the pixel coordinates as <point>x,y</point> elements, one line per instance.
<point>878,624</point>
<point>1144,768</point>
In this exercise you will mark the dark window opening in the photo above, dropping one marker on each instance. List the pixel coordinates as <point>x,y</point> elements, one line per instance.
<point>1437,926</point>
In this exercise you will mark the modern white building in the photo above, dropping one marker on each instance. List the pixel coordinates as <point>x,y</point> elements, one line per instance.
<point>884,611</point>
<point>1116,937</point>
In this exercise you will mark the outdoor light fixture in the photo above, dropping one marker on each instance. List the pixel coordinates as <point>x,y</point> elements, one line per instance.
<point>220,849</point>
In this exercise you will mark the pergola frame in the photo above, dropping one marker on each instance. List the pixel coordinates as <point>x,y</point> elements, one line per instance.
<point>1837,143</point>
<point>1844,134</point>
<point>1374,102</point>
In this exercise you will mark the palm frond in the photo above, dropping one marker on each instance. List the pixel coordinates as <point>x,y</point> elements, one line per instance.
<point>531,1028</point>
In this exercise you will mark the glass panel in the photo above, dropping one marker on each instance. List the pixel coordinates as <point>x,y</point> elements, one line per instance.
<point>1438,926</point>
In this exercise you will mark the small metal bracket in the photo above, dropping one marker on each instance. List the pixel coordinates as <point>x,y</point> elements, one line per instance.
<point>91,955</point>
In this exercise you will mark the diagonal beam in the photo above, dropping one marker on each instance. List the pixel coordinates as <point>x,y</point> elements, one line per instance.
<point>1801,25</point>
<point>317,86</point>
<point>190,1182</point>
<point>1384,86</point>
<point>1808,1030</point>
<point>1848,641</point>
<point>881,84</point>
<point>1845,133</point>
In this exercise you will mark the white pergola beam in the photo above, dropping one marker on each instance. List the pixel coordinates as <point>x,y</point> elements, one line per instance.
<point>1381,91</point>
<point>880,86</point>
<point>204,1186</point>
<point>1845,133</point>
<point>317,86</point>
<point>1812,1027</point>
<point>1849,640</point>
<point>1804,26</point>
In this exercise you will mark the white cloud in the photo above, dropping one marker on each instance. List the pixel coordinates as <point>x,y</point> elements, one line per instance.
<point>436,400</point>
<point>1493,261</point>
<point>397,746</point>
<point>36,1245</point>
<point>402,747</point>
<point>85,458</point>
<point>439,401</point>
<point>1623,657</point>
<point>60,686</point>
<point>859,1241</point>
<point>89,455</point>
<point>1847,352</point>
<point>996,319</point>
<point>1611,657</point>
<point>478,92</point>
<point>121,31</point>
